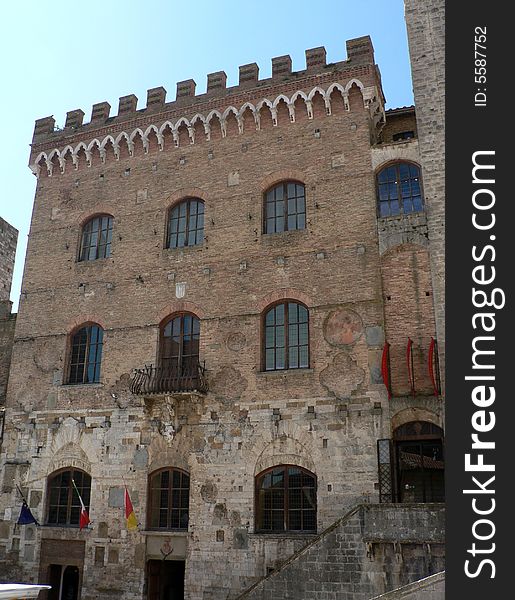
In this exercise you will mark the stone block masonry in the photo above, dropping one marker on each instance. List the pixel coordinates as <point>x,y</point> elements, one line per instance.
<point>8,241</point>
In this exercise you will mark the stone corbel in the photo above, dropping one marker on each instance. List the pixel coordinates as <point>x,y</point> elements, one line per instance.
<point>291,110</point>
<point>62,164</point>
<point>327,106</point>
<point>207,131</point>
<point>191,134</point>
<point>309,107</point>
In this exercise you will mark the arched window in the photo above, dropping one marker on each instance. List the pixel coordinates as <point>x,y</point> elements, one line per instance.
<point>186,224</point>
<point>86,354</point>
<point>398,190</point>
<point>286,499</point>
<point>169,497</point>
<point>63,506</point>
<point>284,207</point>
<point>179,348</point>
<point>96,238</point>
<point>286,337</point>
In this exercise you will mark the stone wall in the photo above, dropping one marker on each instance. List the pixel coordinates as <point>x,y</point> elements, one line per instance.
<point>430,588</point>
<point>8,240</point>
<point>372,549</point>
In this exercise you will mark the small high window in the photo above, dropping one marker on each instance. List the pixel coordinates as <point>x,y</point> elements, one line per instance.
<point>169,499</point>
<point>403,135</point>
<point>286,500</point>
<point>398,189</point>
<point>63,501</point>
<point>286,337</point>
<point>86,354</point>
<point>186,224</point>
<point>285,208</point>
<point>96,238</point>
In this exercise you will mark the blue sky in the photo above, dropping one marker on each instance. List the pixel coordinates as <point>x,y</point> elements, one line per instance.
<point>60,56</point>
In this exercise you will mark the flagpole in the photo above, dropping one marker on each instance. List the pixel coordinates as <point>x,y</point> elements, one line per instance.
<point>82,505</point>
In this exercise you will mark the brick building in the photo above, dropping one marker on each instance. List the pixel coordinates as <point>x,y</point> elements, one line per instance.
<point>227,309</point>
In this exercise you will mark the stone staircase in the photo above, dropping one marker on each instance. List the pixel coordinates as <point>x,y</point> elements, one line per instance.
<point>370,550</point>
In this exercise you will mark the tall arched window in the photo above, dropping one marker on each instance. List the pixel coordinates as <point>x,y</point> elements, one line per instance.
<point>63,506</point>
<point>169,497</point>
<point>179,348</point>
<point>398,190</point>
<point>284,207</point>
<point>286,337</point>
<point>86,354</point>
<point>96,238</point>
<point>186,224</point>
<point>286,499</point>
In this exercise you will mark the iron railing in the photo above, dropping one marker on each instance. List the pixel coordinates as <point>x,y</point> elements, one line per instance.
<point>169,379</point>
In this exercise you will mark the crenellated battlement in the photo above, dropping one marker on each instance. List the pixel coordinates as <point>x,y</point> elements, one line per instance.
<point>216,113</point>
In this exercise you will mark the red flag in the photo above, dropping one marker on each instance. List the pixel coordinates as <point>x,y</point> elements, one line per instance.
<point>84,517</point>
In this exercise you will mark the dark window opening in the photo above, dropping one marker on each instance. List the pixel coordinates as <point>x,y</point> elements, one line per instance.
<point>63,501</point>
<point>86,355</point>
<point>285,208</point>
<point>399,190</point>
<point>286,337</point>
<point>286,500</point>
<point>96,238</point>
<point>169,499</point>
<point>403,135</point>
<point>186,224</point>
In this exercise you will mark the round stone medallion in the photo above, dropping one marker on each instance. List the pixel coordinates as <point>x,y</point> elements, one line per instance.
<point>343,327</point>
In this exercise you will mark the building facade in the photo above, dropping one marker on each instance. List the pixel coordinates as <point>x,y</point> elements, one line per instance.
<point>227,311</point>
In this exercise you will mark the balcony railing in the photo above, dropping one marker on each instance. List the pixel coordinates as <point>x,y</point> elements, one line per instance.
<point>171,379</point>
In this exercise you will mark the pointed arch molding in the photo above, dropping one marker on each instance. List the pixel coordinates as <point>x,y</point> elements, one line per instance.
<point>291,446</point>
<point>70,448</point>
<point>66,158</point>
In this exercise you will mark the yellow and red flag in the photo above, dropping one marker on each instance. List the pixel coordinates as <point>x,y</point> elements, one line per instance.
<point>130,517</point>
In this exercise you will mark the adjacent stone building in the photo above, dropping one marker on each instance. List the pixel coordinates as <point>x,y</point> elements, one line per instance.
<point>227,310</point>
<point>8,240</point>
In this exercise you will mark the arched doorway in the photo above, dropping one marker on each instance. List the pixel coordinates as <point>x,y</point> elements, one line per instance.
<point>419,453</point>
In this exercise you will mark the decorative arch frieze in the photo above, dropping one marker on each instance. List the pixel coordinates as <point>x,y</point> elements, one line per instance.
<point>44,161</point>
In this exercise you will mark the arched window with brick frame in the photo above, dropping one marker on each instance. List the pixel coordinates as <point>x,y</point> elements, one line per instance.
<point>85,354</point>
<point>284,207</point>
<point>399,189</point>
<point>286,500</point>
<point>96,237</point>
<point>185,223</point>
<point>285,336</point>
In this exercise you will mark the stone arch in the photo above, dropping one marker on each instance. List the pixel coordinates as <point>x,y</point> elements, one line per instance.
<point>291,445</point>
<point>413,413</point>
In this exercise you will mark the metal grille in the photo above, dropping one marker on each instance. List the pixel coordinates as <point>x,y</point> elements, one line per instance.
<point>385,470</point>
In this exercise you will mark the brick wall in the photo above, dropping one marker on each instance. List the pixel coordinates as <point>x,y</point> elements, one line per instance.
<point>425,20</point>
